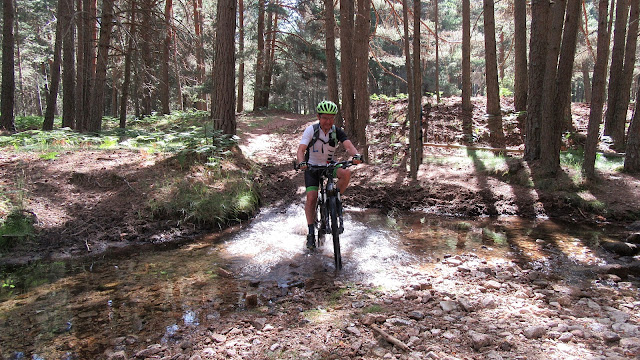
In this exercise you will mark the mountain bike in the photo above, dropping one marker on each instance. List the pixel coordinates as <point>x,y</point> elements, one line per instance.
<point>329,218</point>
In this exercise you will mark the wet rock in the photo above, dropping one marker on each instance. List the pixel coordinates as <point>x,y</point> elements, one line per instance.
<point>633,238</point>
<point>534,332</point>
<point>622,248</point>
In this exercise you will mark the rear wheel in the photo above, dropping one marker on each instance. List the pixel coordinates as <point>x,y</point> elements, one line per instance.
<point>335,231</point>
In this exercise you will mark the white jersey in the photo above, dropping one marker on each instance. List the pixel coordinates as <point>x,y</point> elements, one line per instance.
<point>321,152</point>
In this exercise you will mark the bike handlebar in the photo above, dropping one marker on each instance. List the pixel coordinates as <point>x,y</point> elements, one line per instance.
<point>342,164</point>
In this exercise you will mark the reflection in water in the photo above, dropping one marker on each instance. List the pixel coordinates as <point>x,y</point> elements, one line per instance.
<point>58,310</point>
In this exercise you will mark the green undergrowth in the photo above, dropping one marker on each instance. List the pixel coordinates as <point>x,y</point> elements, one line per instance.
<point>213,185</point>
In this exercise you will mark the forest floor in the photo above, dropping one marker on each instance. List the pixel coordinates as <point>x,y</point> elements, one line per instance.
<point>90,202</point>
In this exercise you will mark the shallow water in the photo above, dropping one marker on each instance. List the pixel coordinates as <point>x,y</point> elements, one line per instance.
<point>79,310</point>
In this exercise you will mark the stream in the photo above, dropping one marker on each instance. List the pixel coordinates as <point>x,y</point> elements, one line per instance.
<point>77,310</point>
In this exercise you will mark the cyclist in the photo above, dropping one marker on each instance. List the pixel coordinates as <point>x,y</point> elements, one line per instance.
<point>317,147</point>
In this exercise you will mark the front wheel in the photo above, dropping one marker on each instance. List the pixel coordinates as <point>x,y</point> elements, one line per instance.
<point>335,231</point>
<point>321,221</point>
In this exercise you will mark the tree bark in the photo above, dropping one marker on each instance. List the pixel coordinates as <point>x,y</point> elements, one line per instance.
<point>347,63</point>
<point>624,94</point>
<point>632,156</point>
<point>7,96</point>
<point>615,74</point>
<point>330,52</point>
<point>598,91</point>
<point>166,51</point>
<point>260,58</point>
<point>128,57</point>
<point>467,108</point>
<point>361,80</point>
<point>417,81</point>
<point>491,69</point>
<point>537,62</point>
<point>550,90</point>
<point>97,103</point>
<point>223,99</point>
<point>52,96</point>
<point>413,164</point>
<point>79,103</point>
<point>551,145</point>
<point>68,65</point>
<point>201,102</point>
<point>435,25</point>
<point>520,72</point>
<point>240,99</point>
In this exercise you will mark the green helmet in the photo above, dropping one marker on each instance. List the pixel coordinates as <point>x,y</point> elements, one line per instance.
<point>327,107</point>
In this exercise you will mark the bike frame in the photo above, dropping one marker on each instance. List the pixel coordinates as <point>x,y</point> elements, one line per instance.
<point>329,207</point>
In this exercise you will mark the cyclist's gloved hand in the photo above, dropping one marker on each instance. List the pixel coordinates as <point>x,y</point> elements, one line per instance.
<point>303,165</point>
<point>357,159</point>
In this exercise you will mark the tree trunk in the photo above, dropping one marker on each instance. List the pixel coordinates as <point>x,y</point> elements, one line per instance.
<point>361,83</point>
<point>260,58</point>
<point>550,89</point>
<point>632,157</point>
<point>598,91</point>
<point>615,73</point>
<point>146,57</point>
<point>128,57</point>
<point>166,51</point>
<point>435,25</point>
<point>18,64</point>
<point>624,94</point>
<point>201,103</point>
<point>467,108</point>
<point>223,99</point>
<point>562,99</point>
<point>491,68</point>
<point>537,62</point>
<point>347,63</point>
<point>68,65</point>
<point>330,51</point>
<point>413,165</point>
<point>80,69</point>
<point>7,96</point>
<point>97,103</point>
<point>270,50</point>
<point>521,80</point>
<point>52,96</point>
<point>240,99</point>
<point>417,80</point>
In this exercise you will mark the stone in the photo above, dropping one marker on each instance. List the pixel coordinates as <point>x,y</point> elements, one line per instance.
<point>259,323</point>
<point>416,315</point>
<point>218,338</point>
<point>610,336</point>
<point>479,340</point>
<point>534,332</point>
<point>448,305</point>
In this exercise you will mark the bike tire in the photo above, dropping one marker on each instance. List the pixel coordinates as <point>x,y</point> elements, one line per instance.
<point>321,221</point>
<point>335,232</point>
